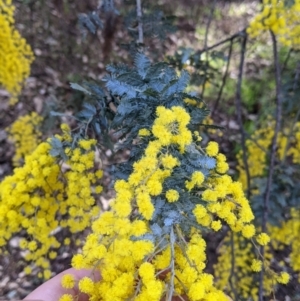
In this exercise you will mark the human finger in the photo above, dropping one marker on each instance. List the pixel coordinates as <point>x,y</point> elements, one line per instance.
<point>52,290</point>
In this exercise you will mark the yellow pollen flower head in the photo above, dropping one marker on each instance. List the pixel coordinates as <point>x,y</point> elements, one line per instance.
<point>68,281</point>
<point>283,278</point>
<point>212,148</point>
<point>172,195</point>
<point>263,239</point>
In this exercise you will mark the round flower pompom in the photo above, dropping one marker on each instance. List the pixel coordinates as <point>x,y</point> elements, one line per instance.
<point>248,231</point>
<point>283,278</point>
<point>67,241</point>
<point>146,270</point>
<point>198,178</point>
<point>222,167</point>
<point>200,212</point>
<point>144,132</point>
<point>27,270</point>
<point>172,195</point>
<point>32,245</point>
<point>196,291</point>
<point>86,285</point>
<point>212,148</point>
<point>66,297</point>
<point>98,189</point>
<point>65,127</point>
<point>99,174</point>
<point>52,255</point>
<point>263,239</point>
<point>47,274</point>
<point>68,281</point>
<point>169,161</point>
<point>256,265</point>
<point>216,225</point>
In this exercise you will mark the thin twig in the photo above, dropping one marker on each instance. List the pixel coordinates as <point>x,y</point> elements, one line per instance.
<point>172,266</point>
<point>296,79</point>
<point>140,22</point>
<point>229,39</point>
<point>290,134</point>
<point>178,296</point>
<point>286,60</point>
<point>183,287</point>
<point>223,79</point>
<point>249,137</point>
<point>238,104</point>
<point>231,276</point>
<point>213,6</point>
<point>273,153</point>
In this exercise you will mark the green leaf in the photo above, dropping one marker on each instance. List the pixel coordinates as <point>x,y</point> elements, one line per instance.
<point>80,88</point>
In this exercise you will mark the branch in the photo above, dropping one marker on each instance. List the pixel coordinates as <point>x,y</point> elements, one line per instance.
<point>172,264</point>
<point>296,79</point>
<point>140,22</point>
<point>205,42</point>
<point>229,39</point>
<point>208,23</point>
<point>223,79</point>
<point>273,152</point>
<point>286,60</point>
<point>232,267</point>
<point>238,104</point>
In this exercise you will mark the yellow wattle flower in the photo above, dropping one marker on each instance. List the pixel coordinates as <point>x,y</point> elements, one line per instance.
<point>16,55</point>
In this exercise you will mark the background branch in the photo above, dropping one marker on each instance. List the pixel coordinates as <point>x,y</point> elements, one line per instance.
<point>229,39</point>
<point>295,119</point>
<point>232,269</point>
<point>223,79</point>
<point>286,60</point>
<point>273,152</point>
<point>140,22</point>
<point>213,6</point>
<point>238,104</point>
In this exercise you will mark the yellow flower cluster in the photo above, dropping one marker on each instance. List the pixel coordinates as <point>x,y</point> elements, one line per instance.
<point>280,17</point>
<point>209,121</point>
<point>26,135</point>
<point>15,54</point>
<point>193,102</point>
<point>225,201</point>
<point>124,263</point>
<point>110,249</point>
<point>134,270</point>
<point>288,146</point>
<point>171,127</point>
<point>149,173</point>
<point>244,278</point>
<point>190,279</point>
<point>288,235</point>
<point>134,266</point>
<point>40,198</point>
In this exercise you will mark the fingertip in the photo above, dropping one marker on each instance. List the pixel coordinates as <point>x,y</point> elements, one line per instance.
<point>52,289</point>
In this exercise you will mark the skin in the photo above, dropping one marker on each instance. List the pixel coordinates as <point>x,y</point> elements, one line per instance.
<point>52,289</point>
